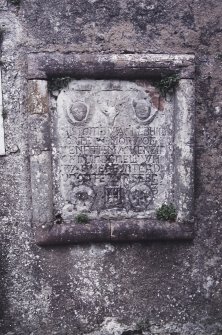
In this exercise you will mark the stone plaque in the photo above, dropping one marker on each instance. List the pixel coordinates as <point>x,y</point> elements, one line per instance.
<point>112,149</point>
<point>115,150</point>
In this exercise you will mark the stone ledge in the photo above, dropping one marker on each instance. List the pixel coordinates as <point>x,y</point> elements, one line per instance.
<point>122,66</point>
<point>114,231</point>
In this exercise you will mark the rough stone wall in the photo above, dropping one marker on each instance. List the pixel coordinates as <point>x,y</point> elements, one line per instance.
<point>157,287</point>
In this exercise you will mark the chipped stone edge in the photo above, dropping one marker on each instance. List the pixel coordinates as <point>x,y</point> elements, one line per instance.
<point>2,135</point>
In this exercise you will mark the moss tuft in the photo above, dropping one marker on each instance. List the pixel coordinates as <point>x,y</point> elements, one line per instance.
<point>167,83</point>
<point>82,218</point>
<point>15,2</point>
<point>166,212</point>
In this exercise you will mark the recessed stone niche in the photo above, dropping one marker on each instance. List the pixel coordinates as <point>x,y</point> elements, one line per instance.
<point>111,147</point>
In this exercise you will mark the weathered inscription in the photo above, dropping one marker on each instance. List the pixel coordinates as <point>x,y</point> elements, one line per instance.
<point>113,149</point>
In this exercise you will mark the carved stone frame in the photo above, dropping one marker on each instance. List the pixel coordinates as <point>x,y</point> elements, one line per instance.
<point>44,66</point>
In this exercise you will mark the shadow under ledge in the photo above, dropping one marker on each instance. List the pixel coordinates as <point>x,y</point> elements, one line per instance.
<point>128,230</point>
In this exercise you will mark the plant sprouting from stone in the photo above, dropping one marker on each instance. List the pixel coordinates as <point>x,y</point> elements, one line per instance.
<point>15,2</point>
<point>58,83</point>
<point>219,57</point>
<point>143,325</point>
<point>58,218</point>
<point>82,218</point>
<point>4,114</point>
<point>166,213</point>
<point>167,83</point>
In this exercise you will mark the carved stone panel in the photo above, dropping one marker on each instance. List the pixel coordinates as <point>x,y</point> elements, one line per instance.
<point>113,149</point>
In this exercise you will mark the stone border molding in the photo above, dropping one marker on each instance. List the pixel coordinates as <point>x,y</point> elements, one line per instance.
<point>106,66</point>
<point>44,66</point>
<point>111,231</point>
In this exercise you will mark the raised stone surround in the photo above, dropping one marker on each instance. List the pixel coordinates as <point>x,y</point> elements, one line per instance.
<point>118,149</point>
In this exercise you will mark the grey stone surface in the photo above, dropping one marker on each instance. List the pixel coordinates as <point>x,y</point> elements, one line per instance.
<point>41,184</point>
<point>131,230</point>
<point>40,153</point>
<point>164,287</point>
<point>2,136</point>
<point>3,4</point>
<point>120,150</point>
<point>121,66</point>
<point>184,148</point>
<point>38,97</point>
<point>113,149</point>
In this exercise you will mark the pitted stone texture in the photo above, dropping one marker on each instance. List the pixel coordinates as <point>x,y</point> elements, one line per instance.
<point>71,291</point>
<point>39,130</point>
<point>2,133</point>
<point>38,96</point>
<point>108,66</point>
<point>113,326</point>
<point>113,149</point>
<point>40,165</point>
<point>3,4</point>
<point>124,25</point>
